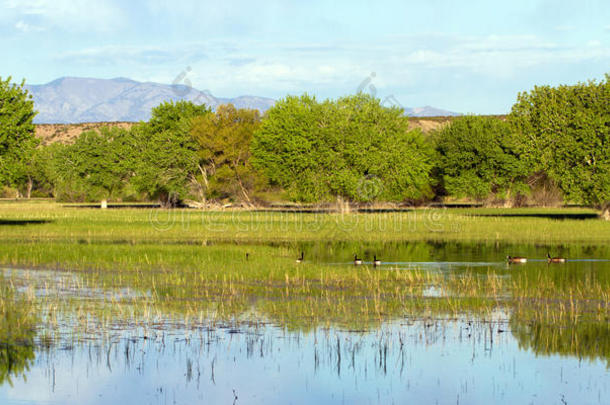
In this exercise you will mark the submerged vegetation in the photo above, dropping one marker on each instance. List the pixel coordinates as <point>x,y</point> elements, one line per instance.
<point>18,324</point>
<point>121,266</point>
<point>72,274</point>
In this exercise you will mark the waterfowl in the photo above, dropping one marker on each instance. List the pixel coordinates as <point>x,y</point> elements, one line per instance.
<point>516,259</point>
<point>375,261</point>
<point>357,261</point>
<point>247,256</point>
<point>300,259</point>
<point>555,259</point>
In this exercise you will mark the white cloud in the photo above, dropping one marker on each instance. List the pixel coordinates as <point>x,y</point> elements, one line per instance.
<point>25,27</point>
<point>69,15</point>
<point>134,55</point>
<point>233,67</point>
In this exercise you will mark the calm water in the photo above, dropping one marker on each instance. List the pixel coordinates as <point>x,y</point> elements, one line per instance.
<point>446,361</point>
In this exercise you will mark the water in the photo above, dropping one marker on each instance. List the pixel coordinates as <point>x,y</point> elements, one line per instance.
<point>468,359</point>
<point>445,362</point>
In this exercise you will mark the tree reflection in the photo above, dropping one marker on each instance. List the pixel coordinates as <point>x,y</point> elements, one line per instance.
<point>586,339</point>
<point>17,332</point>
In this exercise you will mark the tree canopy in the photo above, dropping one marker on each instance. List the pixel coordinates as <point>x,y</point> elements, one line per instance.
<point>167,158</point>
<point>17,140</point>
<point>479,156</point>
<point>566,130</point>
<point>352,148</point>
<point>96,166</point>
<point>224,139</point>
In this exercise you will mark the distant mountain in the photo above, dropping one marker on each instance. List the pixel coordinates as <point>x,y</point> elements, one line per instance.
<point>78,100</point>
<point>429,111</point>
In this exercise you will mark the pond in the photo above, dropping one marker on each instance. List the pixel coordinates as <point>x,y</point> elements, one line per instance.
<point>403,362</point>
<point>82,343</point>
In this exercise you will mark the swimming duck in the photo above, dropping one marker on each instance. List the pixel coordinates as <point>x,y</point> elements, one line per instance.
<point>555,259</point>
<point>516,259</point>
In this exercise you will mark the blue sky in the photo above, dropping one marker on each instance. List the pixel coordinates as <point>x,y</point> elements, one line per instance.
<point>466,56</point>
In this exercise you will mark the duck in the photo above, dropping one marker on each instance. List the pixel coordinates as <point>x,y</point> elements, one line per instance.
<point>555,259</point>
<point>357,261</point>
<point>375,261</point>
<point>301,258</point>
<point>516,259</point>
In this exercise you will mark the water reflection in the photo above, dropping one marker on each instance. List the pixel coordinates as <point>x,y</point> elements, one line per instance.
<point>17,332</point>
<point>480,331</point>
<point>443,361</point>
<point>582,340</point>
<point>458,252</point>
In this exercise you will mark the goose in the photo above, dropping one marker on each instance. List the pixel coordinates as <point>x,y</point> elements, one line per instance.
<point>357,261</point>
<point>555,259</point>
<point>516,259</point>
<point>247,256</point>
<point>300,259</point>
<point>375,261</point>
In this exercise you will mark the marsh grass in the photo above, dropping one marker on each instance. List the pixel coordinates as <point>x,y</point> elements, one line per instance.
<point>183,226</point>
<point>130,268</point>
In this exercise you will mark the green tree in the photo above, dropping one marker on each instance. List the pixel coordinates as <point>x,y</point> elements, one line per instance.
<point>165,153</point>
<point>352,148</point>
<point>566,130</point>
<point>17,138</point>
<point>224,139</point>
<point>478,157</point>
<point>97,166</point>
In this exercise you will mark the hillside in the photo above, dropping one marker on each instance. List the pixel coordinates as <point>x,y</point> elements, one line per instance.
<point>66,133</point>
<point>84,100</point>
<point>71,100</point>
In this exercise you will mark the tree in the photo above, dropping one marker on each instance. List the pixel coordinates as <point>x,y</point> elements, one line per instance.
<point>17,140</point>
<point>224,139</point>
<point>97,166</point>
<point>566,130</point>
<point>165,152</point>
<point>352,148</point>
<point>478,156</point>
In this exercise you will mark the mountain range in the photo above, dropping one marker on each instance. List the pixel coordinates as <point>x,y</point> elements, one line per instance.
<point>77,100</point>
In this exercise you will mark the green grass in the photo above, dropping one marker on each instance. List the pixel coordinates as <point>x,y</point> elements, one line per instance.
<point>134,226</point>
<point>191,265</point>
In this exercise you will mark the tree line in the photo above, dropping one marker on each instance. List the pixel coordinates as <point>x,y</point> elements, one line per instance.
<point>556,140</point>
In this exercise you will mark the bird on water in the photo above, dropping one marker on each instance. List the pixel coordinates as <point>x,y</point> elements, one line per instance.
<point>555,259</point>
<point>516,259</point>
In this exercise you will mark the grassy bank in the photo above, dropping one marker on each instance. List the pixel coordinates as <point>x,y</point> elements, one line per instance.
<point>141,265</point>
<point>53,222</point>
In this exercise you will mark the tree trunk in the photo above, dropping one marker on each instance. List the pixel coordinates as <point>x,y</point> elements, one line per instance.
<point>29,187</point>
<point>605,212</point>
<point>508,202</point>
<point>203,189</point>
<point>167,200</point>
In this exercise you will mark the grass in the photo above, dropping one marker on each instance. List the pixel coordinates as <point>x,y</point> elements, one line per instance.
<point>141,267</point>
<point>135,226</point>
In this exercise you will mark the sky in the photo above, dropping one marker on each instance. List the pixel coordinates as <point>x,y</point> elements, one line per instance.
<point>464,56</point>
